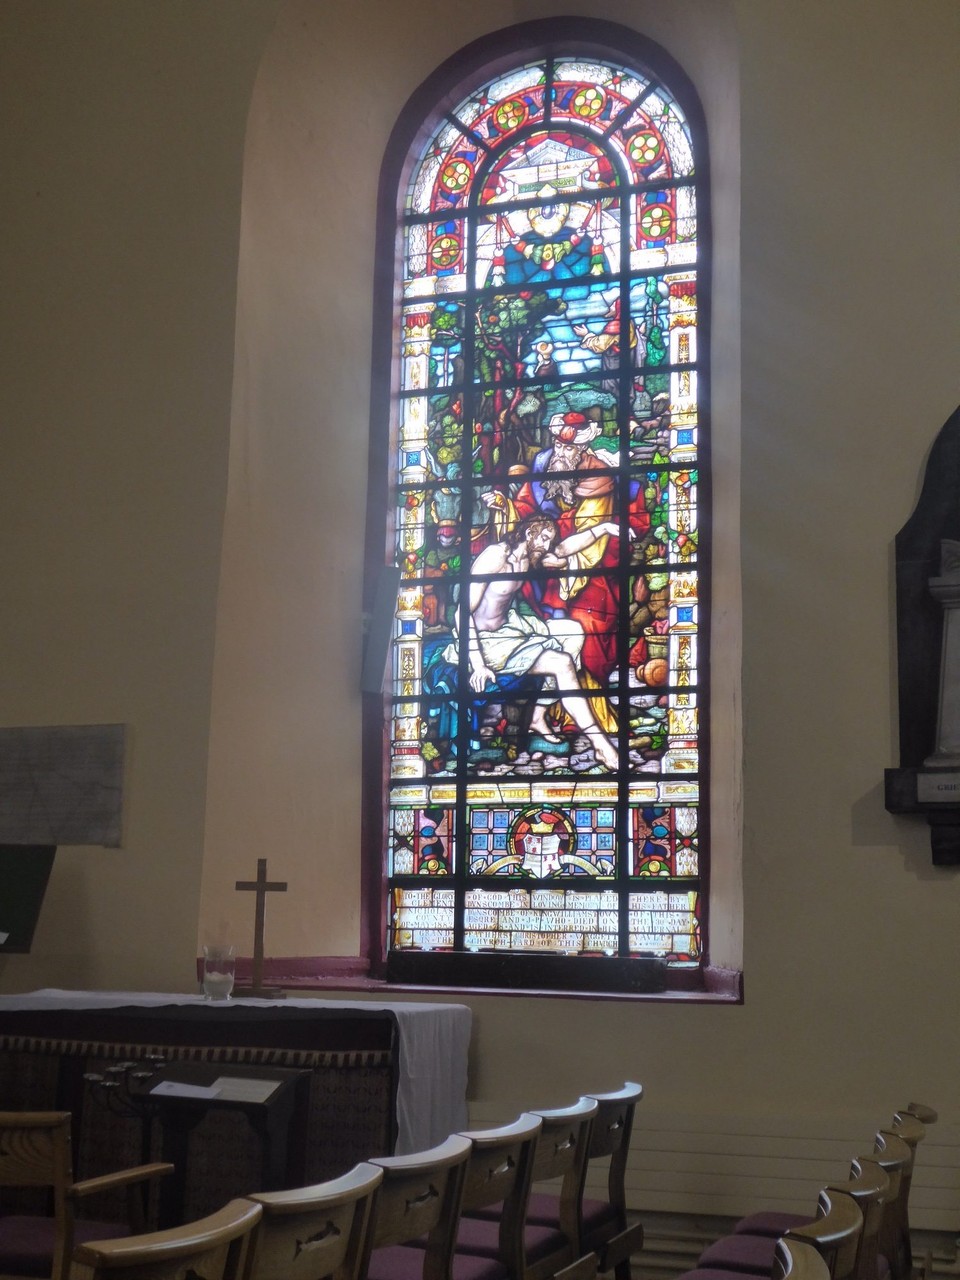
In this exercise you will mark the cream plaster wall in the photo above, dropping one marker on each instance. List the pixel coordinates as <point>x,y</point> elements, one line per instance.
<point>293,544</point>
<point>121,150</point>
<point>128,119</point>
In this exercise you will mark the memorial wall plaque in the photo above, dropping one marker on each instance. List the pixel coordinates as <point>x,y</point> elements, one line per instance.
<point>61,784</point>
<point>24,872</point>
<point>927,781</point>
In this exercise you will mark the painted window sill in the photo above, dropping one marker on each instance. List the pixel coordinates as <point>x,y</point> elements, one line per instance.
<point>302,974</point>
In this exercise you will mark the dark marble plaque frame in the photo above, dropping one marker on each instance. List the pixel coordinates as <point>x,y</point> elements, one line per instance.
<point>909,788</point>
<point>59,784</point>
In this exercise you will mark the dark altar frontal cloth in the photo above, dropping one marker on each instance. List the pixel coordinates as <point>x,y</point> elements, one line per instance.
<point>345,1112</point>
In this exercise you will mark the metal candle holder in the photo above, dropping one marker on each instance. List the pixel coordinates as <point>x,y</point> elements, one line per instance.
<point>123,1089</point>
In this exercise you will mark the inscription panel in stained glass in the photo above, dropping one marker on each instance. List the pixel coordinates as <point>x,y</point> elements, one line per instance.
<point>562,921</point>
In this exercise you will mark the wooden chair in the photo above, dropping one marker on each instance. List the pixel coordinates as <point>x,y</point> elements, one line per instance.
<point>797,1261</point>
<point>499,1172</point>
<point>868,1185</point>
<point>603,1226</point>
<point>834,1234</point>
<point>870,1188</point>
<point>741,1253</point>
<point>552,1232</point>
<point>927,1116</point>
<point>35,1151</point>
<point>563,1149</point>
<point>895,1243</point>
<point>315,1231</point>
<point>212,1248</point>
<point>893,1157</point>
<point>420,1196</point>
<point>606,1229</point>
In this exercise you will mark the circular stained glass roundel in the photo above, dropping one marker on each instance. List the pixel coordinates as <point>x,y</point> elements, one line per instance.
<point>644,147</point>
<point>456,174</point>
<point>508,115</point>
<point>655,222</point>
<point>588,102</point>
<point>444,251</point>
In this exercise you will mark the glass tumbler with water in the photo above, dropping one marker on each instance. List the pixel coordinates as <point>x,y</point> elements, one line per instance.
<point>219,972</point>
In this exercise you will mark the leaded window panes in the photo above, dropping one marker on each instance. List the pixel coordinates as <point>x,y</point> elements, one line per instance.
<point>545,717</point>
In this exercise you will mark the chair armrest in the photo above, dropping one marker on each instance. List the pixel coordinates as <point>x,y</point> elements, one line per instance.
<point>584,1268</point>
<point>618,1248</point>
<point>122,1178</point>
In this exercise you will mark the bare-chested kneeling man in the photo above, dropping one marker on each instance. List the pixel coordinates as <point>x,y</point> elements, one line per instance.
<point>502,639</point>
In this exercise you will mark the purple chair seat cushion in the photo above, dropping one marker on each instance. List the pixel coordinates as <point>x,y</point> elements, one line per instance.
<point>754,1254</point>
<point>545,1209</point>
<point>770,1222</point>
<point>405,1262</point>
<point>469,1266</point>
<point>27,1242</point>
<point>488,1213</point>
<point>482,1236</point>
<point>598,1216</point>
<point>710,1273</point>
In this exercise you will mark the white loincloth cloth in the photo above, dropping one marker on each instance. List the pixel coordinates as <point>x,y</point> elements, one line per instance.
<point>514,647</point>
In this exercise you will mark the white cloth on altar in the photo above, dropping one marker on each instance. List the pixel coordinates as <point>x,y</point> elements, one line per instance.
<point>434,1045</point>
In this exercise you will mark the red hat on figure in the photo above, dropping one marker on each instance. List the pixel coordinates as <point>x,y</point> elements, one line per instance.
<point>573,428</point>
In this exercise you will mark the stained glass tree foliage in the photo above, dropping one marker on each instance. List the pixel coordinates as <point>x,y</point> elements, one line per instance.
<point>543,730</point>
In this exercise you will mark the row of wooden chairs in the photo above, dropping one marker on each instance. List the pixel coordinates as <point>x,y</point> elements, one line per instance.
<point>461,1211</point>
<point>861,1229</point>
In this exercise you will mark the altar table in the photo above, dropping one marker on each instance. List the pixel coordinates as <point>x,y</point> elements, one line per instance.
<point>385,1076</point>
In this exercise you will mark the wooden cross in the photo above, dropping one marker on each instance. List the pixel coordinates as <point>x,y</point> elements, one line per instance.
<point>261,887</point>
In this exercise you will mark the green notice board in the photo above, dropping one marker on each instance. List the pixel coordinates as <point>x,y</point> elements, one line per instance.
<point>24,872</point>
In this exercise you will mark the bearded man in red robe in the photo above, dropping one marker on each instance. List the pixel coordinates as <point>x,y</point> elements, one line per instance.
<point>575,487</point>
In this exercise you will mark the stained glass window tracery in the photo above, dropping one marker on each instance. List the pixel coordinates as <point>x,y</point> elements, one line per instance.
<point>544,720</point>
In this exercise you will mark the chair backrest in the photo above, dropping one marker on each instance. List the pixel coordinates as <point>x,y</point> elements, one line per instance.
<point>911,1126</point>
<point>562,1150</point>
<point>895,1158</point>
<point>610,1136</point>
<point>892,1160</point>
<point>909,1132</point>
<point>35,1151</point>
<point>212,1248</point>
<point>315,1231</point>
<point>926,1115</point>
<point>908,1127</point>
<point>500,1171</point>
<point>835,1234</point>
<point>869,1187</point>
<point>420,1195</point>
<point>795,1260</point>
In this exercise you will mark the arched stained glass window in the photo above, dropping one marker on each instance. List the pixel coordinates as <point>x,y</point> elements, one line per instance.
<point>544,787</point>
